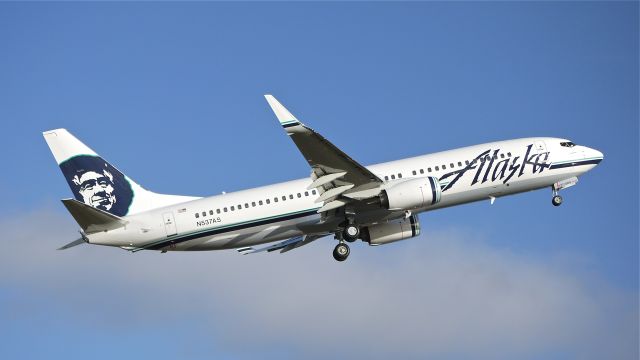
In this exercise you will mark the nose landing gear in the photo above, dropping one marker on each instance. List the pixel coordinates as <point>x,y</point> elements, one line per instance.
<point>556,200</point>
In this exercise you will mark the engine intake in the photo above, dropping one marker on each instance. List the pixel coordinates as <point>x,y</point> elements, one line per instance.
<point>412,194</point>
<point>391,231</point>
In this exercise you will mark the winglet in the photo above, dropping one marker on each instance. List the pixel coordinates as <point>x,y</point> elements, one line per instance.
<point>284,116</point>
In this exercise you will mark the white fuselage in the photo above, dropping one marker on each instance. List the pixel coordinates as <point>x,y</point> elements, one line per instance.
<point>284,210</point>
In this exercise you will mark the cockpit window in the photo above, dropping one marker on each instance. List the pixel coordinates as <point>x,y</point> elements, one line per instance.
<point>567,144</point>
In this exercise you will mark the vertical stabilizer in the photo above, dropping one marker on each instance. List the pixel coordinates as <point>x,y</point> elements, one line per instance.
<point>97,183</point>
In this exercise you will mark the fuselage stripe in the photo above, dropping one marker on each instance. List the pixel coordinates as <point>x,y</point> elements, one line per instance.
<point>575,163</point>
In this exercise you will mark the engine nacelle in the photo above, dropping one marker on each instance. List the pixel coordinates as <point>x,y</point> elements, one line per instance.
<point>391,231</point>
<point>412,194</point>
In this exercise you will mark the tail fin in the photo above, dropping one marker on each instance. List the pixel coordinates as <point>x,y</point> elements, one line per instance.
<point>99,184</point>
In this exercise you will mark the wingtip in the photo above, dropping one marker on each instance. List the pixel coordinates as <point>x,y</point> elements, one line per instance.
<point>284,116</point>
<point>53,131</point>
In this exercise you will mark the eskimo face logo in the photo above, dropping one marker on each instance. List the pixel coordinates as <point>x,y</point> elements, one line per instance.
<point>96,183</point>
<point>96,189</point>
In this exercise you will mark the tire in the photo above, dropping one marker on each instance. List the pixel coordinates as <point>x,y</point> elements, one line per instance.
<point>341,252</point>
<point>351,233</point>
<point>556,200</point>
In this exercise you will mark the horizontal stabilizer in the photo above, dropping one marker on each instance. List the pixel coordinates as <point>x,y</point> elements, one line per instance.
<point>73,243</point>
<point>90,219</point>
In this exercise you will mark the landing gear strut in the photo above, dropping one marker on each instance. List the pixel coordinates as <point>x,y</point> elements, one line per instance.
<point>556,200</point>
<point>341,252</point>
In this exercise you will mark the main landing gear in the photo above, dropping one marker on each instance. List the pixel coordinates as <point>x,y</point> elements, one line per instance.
<point>341,252</point>
<point>350,233</point>
<point>556,200</point>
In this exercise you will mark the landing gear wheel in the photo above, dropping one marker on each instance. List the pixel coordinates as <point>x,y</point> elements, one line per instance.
<point>341,252</point>
<point>351,233</point>
<point>556,200</point>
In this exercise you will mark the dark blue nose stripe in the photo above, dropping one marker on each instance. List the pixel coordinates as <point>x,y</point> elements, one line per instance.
<point>575,163</point>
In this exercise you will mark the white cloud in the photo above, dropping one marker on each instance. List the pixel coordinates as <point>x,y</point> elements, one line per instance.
<point>439,295</point>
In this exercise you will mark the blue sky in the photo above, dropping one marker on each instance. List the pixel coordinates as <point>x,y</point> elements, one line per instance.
<point>172,94</point>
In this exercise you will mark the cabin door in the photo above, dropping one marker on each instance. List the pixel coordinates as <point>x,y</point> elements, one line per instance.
<point>169,224</point>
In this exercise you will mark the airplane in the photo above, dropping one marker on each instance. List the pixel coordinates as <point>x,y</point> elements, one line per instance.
<point>378,204</point>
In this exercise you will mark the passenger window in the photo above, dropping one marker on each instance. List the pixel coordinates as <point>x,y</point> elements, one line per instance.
<point>399,176</point>
<point>225,209</point>
<point>421,171</point>
<point>268,201</point>
<point>299,195</point>
<point>444,167</point>
<point>386,178</point>
<point>260,202</point>
<point>460,163</point>
<point>284,198</point>
<point>393,177</point>
<point>414,172</point>
<point>233,208</point>
<point>204,213</point>
<point>239,206</point>
<point>210,212</point>
<point>217,211</point>
<point>246,205</point>
<point>253,204</point>
<point>437,168</point>
<point>275,199</point>
<point>306,193</point>
<point>429,169</point>
<point>451,165</point>
<point>502,156</point>
<point>197,215</point>
<point>291,196</point>
<point>313,192</point>
<point>466,162</point>
<point>509,154</point>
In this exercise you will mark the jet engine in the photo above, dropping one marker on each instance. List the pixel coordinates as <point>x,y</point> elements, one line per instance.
<point>412,194</point>
<point>391,231</point>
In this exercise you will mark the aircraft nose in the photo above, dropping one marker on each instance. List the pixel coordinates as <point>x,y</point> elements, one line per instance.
<point>594,154</point>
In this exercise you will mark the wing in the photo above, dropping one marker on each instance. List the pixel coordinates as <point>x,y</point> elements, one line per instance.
<point>340,180</point>
<point>284,246</point>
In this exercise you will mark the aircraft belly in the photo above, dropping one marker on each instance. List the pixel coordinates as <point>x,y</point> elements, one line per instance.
<point>247,237</point>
